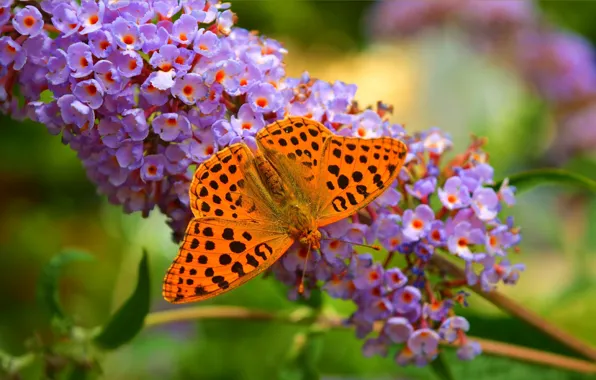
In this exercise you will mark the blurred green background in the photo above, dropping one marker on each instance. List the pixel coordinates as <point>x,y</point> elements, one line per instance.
<point>47,204</point>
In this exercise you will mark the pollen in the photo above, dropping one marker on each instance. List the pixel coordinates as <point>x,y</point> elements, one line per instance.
<point>451,198</point>
<point>93,19</point>
<point>203,47</point>
<point>183,37</point>
<point>361,132</point>
<point>262,102</point>
<point>29,21</point>
<point>243,82</point>
<point>128,39</point>
<point>187,90</point>
<point>246,125</point>
<point>417,224</point>
<point>219,76</point>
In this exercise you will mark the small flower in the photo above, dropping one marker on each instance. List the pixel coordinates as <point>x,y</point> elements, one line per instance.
<point>469,350</point>
<point>437,142</point>
<point>28,21</point>
<point>58,70</point>
<point>101,43</point>
<point>462,238</point>
<point>75,112</point>
<point>126,34</point>
<point>91,15</point>
<point>206,44</point>
<point>190,89</point>
<point>89,92</point>
<point>398,329</point>
<point>394,279</point>
<point>80,59</point>
<point>109,77</point>
<point>424,344</point>
<point>129,63</point>
<point>423,187</point>
<point>369,277</point>
<point>171,125</point>
<point>406,299</point>
<point>184,29</point>
<point>451,328</point>
<point>8,50</point>
<point>264,98</point>
<point>225,73</point>
<point>64,18</point>
<point>153,167</point>
<point>454,194</point>
<point>377,346</point>
<point>417,223</point>
<point>485,203</point>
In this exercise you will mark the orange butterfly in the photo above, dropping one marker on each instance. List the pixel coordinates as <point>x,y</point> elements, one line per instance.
<point>249,208</point>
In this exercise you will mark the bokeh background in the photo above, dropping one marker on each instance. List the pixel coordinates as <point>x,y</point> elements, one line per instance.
<point>433,79</point>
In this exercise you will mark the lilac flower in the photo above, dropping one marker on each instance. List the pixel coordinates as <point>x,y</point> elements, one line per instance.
<point>184,29</point>
<point>406,299</point>
<point>206,44</point>
<point>109,77</point>
<point>101,43</point>
<point>89,92</point>
<point>58,70</point>
<point>469,350</point>
<point>129,63</point>
<point>451,327</point>
<point>190,89</point>
<point>153,167</point>
<point>485,203</point>
<point>75,112</point>
<point>91,15</point>
<point>463,237</point>
<point>28,21</point>
<point>171,125</point>
<point>225,73</point>
<point>417,223</point>
<point>64,18</point>
<point>8,50</point>
<point>377,346</point>
<point>80,59</point>
<point>263,98</point>
<point>152,94</point>
<point>398,329</point>
<point>424,345</point>
<point>369,277</point>
<point>394,279</point>
<point>422,188</point>
<point>126,34</point>
<point>454,194</point>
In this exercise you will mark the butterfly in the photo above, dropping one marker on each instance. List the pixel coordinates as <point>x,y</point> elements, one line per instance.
<point>249,207</point>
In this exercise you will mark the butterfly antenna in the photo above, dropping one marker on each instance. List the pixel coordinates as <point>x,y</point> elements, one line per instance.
<point>301,284</point>
<point>376,247</point>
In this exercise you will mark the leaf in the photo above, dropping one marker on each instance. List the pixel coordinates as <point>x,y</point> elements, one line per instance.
<point>441,369</point>
<point>47,288</point>
<point>46,96</point>
<point>527,180</point>
<point>126,323</point>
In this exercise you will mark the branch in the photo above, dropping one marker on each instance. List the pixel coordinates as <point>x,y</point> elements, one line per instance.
<point>508,305</point>
<point>306,316</point>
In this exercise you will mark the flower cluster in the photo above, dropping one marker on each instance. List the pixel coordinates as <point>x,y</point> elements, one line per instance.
<point>557,64</point>
<point>145,91</point>
<point>434,208</point>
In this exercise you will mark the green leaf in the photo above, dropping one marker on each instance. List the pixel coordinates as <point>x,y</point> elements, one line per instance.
<point>527,180</point>
<point>46,96</point>
<point>126,323</point>
<point>441,369</point>
<point>47,288</point>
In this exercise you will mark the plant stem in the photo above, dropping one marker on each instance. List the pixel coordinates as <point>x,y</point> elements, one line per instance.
<point>305,316</point>
<point>510,306</point>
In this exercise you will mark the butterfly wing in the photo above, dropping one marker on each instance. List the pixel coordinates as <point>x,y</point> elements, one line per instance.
<point>219,255</point>
<point>235,234</point>
<point>355,171</point>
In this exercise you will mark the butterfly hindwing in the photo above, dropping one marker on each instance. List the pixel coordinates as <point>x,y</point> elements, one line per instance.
<point>219,255</point>
<point>355,171</point>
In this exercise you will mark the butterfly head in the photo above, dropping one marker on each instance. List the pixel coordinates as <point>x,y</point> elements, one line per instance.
<point>311,238</point>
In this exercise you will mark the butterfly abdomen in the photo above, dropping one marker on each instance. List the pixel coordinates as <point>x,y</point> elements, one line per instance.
<point>270,177</point>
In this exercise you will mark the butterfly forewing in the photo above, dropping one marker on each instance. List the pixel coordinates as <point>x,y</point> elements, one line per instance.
<point>355,171</point>
<point>219,255</point>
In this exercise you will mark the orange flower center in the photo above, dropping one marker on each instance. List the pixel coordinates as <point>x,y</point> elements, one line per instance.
<point>93,19</point>
<point>243,82</point>
<point>11,49</point>
<point>109,77</point>
<point>103,45</point>
<point>29,21</point>
<point>493,241</point>
<point>462,242</point>
<point>91,89</point>
<point>246,125</point>
<point>406,297</point>
<point>209,150</point>
<point>203,47</point>
<point>333,244</point>
<point>373,276</point>
<point>376,292</point>
<point>417,224</point>
<point>187,90</point>
<point>128,39</point>
<point>219,76</point>
<point>451,198</point>
<point>166,66</point>
<point>183,37</point>
<point>361,132</point>
<point>132,64</point>
<point>180,60</point>
<point>83,62</point>
<point>262,102</point>
<point>436,235</point>
<point>172,122</point>
<point>152,170</point>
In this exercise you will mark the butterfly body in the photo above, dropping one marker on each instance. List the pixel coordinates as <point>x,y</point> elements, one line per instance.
<point>249,206</point>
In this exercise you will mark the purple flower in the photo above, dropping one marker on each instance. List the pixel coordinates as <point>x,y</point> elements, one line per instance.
<point>135,124</point>
<point>101,43</point>
<point>437,235</point>
<point>184,29</point>
<point>264,98</point>
<point>377,346</point>
<point>164,59</point>
<point>80,59</point>
<point>58,70</point>
<point>406,299</point>
<point>126,34</point>
<point>129,63</point>
<point>152,94</point>
<point>462,238</point>
<point>171,125</point>
<point>507,193</point>
<point>91,15</point>
<point>8,50</point>
<point>109,77</point>
<point>417,223</point>
<point>75,112</point>
<point>485,203</point>
<point>153,167</point>
<point>394,279</point>
<point>369,277</point>
<point>190,89</point>
<point>424,344</point>
<point>398,329</point>
<point>64,18</point>
<point>89,92</point>
<point>469,350</point>
<point>454,194</point>
<point>437,142</point>
<point>451,328</point>
<point>225,73</point>
<point>423,187</point>
<point>206,44</point>
<point>28,21</point>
